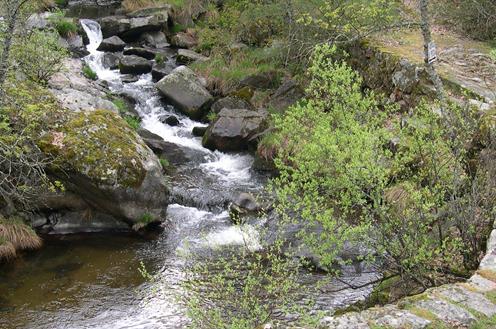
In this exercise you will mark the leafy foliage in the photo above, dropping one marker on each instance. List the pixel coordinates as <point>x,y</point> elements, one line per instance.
<point>39,55</point>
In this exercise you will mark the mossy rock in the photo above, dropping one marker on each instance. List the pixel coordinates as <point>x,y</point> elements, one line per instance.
<point>98,144</point>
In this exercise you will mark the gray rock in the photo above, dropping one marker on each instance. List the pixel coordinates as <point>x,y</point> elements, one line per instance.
<point>390,316</point>
<point>129,78</point>
<point>470,299</point>
<point>199,131</point>
<point>39,21</point>
<point>130,28</point>
<point>161,70</point>
<point>489,260</point>
<point>134,65</point>
<point>406,77</point>
<point>347,321</point>
<point>186,56</point>
<point>184,40</point>
<point>77,93</point>
<point>171,120</point>
<point>155,39</point>
<point>481,283</point>
<point>92,9</point>
<point>112,44</point>
<point>141,52</point>
<point>235,130</point>
<point>265,80</point>
<point>231,103</point>
<point>286,95</point>
<point>449,313</point>
<point>183,88</point>
<point>111,61</point>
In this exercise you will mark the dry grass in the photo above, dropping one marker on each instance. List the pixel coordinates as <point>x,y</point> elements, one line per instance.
<point>18,235</point>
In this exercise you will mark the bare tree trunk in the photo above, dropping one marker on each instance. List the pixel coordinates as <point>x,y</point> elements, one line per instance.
<point>431,70</point>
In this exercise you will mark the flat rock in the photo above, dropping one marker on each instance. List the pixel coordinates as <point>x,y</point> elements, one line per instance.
<point>449,313</point>
<point>111,61</point>
<point>489,260</point>
<point>390,316</point>
<point>155,39</point>
<point>183,89</point>
<point>470,299</point>
<point>347,321</point>
<point>481,283</point>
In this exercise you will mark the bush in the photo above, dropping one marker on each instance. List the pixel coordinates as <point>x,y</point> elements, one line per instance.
<point>89,73</point>
<point>39,55</point>
<point>64,26</point>
<point>339,172</point>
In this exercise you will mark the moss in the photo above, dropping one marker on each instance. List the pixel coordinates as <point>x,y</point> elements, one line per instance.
<point>100,145</point>
<point>491,295</point>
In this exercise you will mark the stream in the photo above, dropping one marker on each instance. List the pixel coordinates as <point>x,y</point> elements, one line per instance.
<point>92,280</point>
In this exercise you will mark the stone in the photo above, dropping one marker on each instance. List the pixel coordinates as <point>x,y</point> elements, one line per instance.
<point>108,166</point>
<point>184,40</point>
<point>155,39</point>
<point>183,89</point>
<point>161,70</point>
<point>265,80</point>
<point>171,120</point>
<point>390,316</point>
<point>92,9</point>
<point>111,61</point>
<point>235,130</point>
<point>481,284</point>
<point>112,44</point>
<point>231,103</point>
<point>186,56</point>
<point>351,320</point>
<point>133,25</point>
<point>245,203</point>
<point>134,65</point>
<point>77,93</point>
<point>489,260</point>
<point>470,299</point>
<point>199,131</point>
<point>286,95</point>
<point>129,78</point>
<point>141,52</point>
<point>449,313</point>
<point>405,78</point>
<point>39,21</point>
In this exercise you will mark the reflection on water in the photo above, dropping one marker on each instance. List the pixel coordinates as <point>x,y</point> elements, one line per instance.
<point>69,278</point>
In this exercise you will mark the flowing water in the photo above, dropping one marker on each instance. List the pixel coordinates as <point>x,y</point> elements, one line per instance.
<point>93,281</point>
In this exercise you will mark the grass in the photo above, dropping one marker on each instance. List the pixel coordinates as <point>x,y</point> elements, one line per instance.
<point>64,26</point>
<point>230,70</point>
<point>133,121</point>
<point>15,235</point>
<point>164,163</point>
<point>487,323</point>
<point>132,5</point>
<point>159,58</point>
<point>121,105</point>
<point>89,73</point>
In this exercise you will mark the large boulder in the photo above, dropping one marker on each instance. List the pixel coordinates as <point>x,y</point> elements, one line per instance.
<point>92,9</point>
<point>235,130</point>
<point>103,162</point>
<point>111,60</point>
<point>183,88</point>
<point>264,80</point>
<point>136,23</point>
<point>134,65</point>
<point>112,44</point>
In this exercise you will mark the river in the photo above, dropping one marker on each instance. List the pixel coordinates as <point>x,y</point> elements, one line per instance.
<point>92,280</point>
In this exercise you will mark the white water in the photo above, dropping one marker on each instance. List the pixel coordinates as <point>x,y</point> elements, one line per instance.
<point>193,229</point>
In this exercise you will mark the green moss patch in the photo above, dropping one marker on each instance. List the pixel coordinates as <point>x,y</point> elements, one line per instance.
<point>100,145</point>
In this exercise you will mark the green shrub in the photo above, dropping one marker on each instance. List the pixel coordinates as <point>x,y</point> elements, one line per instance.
<point>133,122</point>
<point>64,26</point>
<point>121,105</point>
<point>159,58</point>
<point>89,73</point>
<point>164,163</point>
